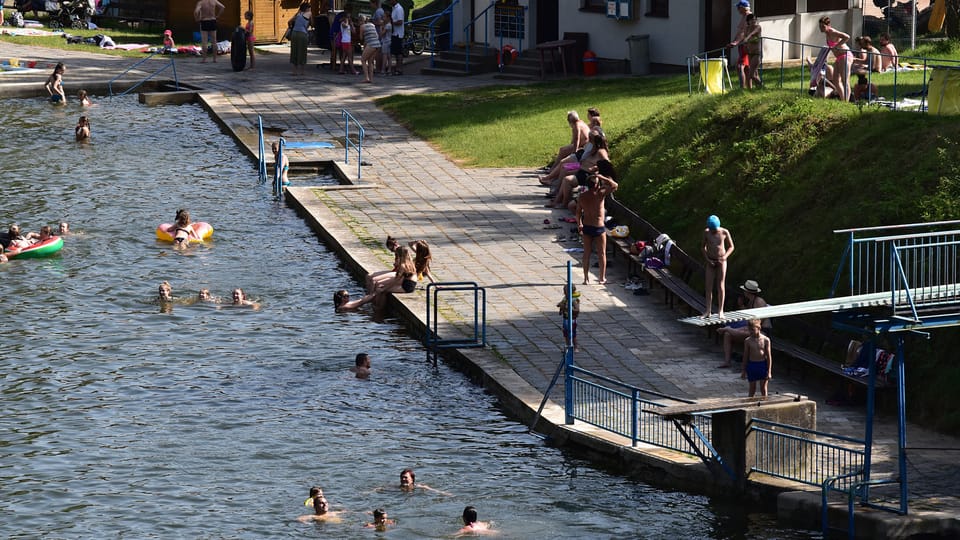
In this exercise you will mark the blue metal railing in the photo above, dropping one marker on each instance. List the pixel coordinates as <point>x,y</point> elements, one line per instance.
<point>171,65</point>
<point>804,455</point>
<point>278,169</point>
<point>624,409</point>
<point>349,143</point>
<point>261,155</point>
<point>431,29</point>
<point>916,263</point>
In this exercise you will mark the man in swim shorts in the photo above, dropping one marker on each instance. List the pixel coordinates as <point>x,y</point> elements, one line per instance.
<point>207,12</point>
<point>590,217</point>
<point>757,359</point>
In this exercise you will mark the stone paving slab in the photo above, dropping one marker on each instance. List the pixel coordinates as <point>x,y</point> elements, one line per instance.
<point>486,226</point>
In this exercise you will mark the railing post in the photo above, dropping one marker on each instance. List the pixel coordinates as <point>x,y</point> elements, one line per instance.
<point>635,418</point>
<point>568,354</point>
<point>902,425</point>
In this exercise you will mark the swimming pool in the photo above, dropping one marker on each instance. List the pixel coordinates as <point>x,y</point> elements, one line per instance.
<point>120,419</point>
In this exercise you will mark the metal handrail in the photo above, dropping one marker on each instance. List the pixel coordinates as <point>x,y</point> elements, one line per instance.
<point>261,156</point>
<point>171,64</point>
<point>347,143</point>
<point>431,31</point>
<point>467,32</point>
<point>826,456</point>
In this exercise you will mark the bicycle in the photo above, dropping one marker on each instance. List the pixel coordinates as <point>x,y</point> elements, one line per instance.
<point>416,41</point>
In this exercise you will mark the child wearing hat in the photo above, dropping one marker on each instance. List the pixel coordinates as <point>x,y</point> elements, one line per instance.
<point>168,44</point>
<point>717,247</point>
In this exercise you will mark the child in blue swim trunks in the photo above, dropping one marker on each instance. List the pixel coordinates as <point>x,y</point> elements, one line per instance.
<point>757,359</point>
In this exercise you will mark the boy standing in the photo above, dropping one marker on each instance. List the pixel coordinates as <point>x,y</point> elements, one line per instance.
<point>565,312</point>
<point>757,359</point>
<point>717,246</point>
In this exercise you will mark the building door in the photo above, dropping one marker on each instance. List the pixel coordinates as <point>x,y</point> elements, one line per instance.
<point>266,21</point>
<point>717,14</point>
<point>547,26</point>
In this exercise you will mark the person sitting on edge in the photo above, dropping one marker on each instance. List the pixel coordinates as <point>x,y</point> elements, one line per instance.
<point>380,520</point>
<point>889,57</point>
<point>402,279</point>
<point>735,333</point>
<point>471,525</point>
<point>579,134</point>
<point>321,508</point>
<point>374,278</point>
<point>717,247</point>
<point>422,260</point>
<point>361,366</point>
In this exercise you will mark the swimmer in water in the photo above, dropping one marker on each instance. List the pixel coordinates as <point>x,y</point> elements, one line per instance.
<point>165,292</point>
<point>342,302</point>
<point>380,520</point>
<point>240,299</point>
<point>471,525</point>
<point>408,483</point>
<point>182,230</point>
<point>321,508</point>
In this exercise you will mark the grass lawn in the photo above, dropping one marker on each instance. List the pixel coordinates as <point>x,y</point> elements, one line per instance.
<point>120,34</point>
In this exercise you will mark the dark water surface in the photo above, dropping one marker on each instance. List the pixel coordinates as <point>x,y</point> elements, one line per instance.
<point>120,420</point>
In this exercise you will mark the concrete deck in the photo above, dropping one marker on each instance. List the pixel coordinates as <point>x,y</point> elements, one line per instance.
<point>486,226</point>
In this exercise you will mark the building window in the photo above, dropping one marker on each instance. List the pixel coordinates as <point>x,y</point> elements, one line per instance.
<point>508,21</point>
<point>772,8</point>
<point>593,6</point>
<point>659,8</point>
<point>826,5</point>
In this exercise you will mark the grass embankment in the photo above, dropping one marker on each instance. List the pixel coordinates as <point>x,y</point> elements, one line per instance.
<point>782,170</point>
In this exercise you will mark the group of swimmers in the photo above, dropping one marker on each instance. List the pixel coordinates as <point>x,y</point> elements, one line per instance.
<point>381,521</point>
<point>239,297</point>
<point>411,263</point>
<point>15,239</point>
<point>54,87</point>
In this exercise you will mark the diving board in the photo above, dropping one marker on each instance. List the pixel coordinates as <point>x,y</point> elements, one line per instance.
<point>722,404</point>
<point>901,298</point>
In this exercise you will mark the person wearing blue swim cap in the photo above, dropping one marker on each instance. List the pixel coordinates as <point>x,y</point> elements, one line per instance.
<point>717,247</point>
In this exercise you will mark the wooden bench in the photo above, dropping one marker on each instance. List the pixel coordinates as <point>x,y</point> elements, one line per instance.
<point>135,12</point>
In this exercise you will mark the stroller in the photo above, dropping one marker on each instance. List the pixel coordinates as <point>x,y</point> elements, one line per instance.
<point>70,14</point>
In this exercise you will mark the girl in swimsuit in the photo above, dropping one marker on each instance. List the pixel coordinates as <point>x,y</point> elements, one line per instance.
<point>422,260</point>
<point>182,230</point>
<point>404,280</point>
<point>837,41</point>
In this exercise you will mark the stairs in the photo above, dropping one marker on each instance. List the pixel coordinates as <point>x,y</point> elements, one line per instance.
<point>453,63</point>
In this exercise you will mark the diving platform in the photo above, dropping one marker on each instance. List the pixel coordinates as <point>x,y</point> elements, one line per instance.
<point>891,280</point>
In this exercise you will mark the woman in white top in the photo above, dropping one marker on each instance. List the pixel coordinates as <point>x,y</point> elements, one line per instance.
<point>346,44</point>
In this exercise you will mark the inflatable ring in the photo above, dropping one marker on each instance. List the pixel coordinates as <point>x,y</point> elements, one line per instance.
<point>41,249</point>
<point>203,229</point>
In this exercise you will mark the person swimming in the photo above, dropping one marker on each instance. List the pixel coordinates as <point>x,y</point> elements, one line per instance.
<point>182,230</point>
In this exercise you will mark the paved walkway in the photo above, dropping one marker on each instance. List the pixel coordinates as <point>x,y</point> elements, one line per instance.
<point>486,226</point>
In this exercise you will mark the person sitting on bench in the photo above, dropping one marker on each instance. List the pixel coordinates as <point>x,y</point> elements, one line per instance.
<point>749,298</point>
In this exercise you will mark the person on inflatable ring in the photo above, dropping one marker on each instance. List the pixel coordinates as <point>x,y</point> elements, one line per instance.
<point>182,230</point>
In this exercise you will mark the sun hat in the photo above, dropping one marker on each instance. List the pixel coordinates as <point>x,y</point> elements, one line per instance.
<point>713,223</point>
<point>750,286</point>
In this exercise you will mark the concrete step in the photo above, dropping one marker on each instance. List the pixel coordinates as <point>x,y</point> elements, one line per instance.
<point>446,72</point>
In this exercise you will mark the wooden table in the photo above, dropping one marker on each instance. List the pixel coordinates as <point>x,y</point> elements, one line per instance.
<point>554,47</point>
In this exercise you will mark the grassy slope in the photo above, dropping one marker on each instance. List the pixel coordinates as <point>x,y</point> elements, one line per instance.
<point>782,171</point>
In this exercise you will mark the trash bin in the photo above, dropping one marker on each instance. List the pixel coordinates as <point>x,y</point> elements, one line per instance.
<point>639,54</point>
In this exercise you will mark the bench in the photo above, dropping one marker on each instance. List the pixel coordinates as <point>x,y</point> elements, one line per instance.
<point>815,344</point>
<point>135,12</point>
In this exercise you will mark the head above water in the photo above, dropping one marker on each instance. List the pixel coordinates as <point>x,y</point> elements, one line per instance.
<point>407,478</point>
<point>713,223</point>
<point>340,297</point>
<point>469,515</point>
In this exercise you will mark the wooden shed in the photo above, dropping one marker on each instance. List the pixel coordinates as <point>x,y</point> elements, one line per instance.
<point>269,17</point>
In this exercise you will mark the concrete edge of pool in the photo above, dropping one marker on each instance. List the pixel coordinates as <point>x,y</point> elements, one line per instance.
<point>794,504</point>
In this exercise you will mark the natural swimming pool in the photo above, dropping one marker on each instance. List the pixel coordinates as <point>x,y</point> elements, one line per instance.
<point>119,419</point>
